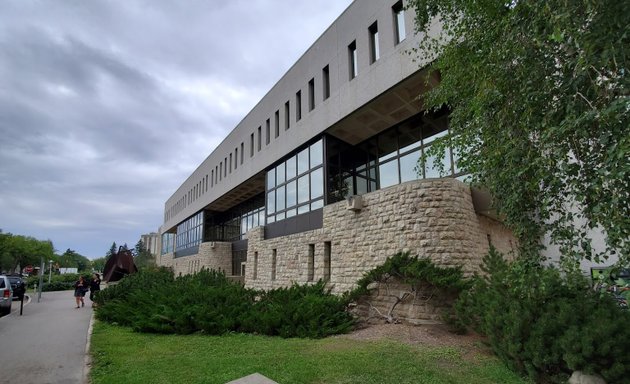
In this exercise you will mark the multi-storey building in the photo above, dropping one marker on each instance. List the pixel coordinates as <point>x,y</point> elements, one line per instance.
<point>151,242</point>
<point>323,178</point>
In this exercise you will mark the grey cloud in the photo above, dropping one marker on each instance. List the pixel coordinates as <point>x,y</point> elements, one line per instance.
<point>101,114</point>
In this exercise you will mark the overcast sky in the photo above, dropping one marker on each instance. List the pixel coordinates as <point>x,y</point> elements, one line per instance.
<point>106,107</point>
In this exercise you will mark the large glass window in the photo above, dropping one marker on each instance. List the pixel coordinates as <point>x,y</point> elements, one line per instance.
<point>189,232</point>
<point>233,224</point>
<point>389,158</point>
<point>400,151</point>
<point>168,243</point>
<point>296,185</point>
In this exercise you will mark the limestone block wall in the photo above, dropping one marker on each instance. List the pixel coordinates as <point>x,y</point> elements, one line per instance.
<point>165,260</point>
<point>421,305</point>
<point>212,255</point>
<point>429,218</point>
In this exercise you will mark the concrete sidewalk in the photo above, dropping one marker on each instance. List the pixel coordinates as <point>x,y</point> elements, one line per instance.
<point>47,344</point>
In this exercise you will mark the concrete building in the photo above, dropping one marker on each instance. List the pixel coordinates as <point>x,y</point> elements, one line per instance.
<point>151,242</point>
<point>322,180</point>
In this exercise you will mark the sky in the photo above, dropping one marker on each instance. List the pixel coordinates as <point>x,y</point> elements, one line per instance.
<point>106,107</point>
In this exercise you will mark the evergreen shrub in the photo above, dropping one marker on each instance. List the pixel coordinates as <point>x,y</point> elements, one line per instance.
<point>207,302</point>
<point>414,271</point>
<point>545,324</point>
<point>301,311</point>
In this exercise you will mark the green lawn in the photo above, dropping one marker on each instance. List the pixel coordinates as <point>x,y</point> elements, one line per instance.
<point>122,356</point>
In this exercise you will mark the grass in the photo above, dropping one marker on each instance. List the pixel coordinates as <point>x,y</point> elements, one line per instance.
<point>122,356</point>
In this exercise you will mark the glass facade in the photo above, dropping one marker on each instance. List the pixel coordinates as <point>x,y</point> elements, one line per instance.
<point>189,232</point>
<point>323,172</point>
<point>389,158</point>
<point>296,185</point>
<point>233,224</point>
<point>168,243</point>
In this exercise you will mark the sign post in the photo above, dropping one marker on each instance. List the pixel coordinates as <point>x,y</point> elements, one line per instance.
<point>41,279</point>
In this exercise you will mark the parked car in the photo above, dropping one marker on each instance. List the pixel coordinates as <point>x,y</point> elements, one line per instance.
<point>6,295</point>
<point>18,285</point>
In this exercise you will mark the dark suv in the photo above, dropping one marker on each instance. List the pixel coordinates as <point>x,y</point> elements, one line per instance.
<point>18,285</point>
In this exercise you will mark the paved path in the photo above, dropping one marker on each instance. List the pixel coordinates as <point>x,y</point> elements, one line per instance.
<point>47,344</point>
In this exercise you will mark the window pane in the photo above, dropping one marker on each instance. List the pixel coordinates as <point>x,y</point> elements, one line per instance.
<point>437,128</point>
<point>317,154</point>
<point>317,204</point>
<point>280,174</point>
<point>280,216</point>
<point>387,145</point>
<point>291,212</point>
<point>408,136</point>
<point>362,185</point>
<point>388,173</point>
<point>409,167</point>
<point>303,189</point>
<point>291,168</point>
<point>456,168</point>
<point>302,159</point>
<point>271,219</point>
<point>291,194</point>
<point>317,183</point>
<point>271,179</point>
<point>271,201</point>
<point>280,198</point>
<point>400,24</point>
<point>431,169</point>
<point>303,209</point>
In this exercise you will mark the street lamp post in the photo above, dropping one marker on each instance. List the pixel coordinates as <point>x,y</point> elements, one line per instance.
<point>49,270</point>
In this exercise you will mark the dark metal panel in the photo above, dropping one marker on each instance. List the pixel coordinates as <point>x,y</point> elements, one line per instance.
<point>239,245</point>
<point>296,224</point>
<point>187,252</point>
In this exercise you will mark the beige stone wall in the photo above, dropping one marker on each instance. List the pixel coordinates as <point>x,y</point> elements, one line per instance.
<point>165,260</point>
<point>421,305</point>
<point>211,255</point>
<point>429,218</point>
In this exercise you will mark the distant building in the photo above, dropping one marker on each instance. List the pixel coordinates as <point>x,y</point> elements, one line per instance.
<point>322,180</point>
<point>151,243</point>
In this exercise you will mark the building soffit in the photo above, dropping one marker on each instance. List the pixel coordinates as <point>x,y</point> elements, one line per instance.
<point>384,111</point>
<point>391,107</point>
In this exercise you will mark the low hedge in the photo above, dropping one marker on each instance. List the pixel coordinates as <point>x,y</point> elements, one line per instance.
<point>207,302</point>
<point>57,283</point>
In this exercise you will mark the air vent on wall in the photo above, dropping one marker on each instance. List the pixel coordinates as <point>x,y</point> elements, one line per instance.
<point>354,203</point>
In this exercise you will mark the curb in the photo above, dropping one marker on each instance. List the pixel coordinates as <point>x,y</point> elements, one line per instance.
<point>87,360</point>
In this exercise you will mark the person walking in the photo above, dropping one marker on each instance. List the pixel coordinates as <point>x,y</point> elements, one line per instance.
<point>80,287</point>
<point>95,286</point>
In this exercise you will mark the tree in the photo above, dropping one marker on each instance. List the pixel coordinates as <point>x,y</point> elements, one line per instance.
<point>98,264</point>
<point>17,251</point>
<point>112,250</point>
<point>540,110</point>
<point>72,259</point>
<point>142,257</point>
